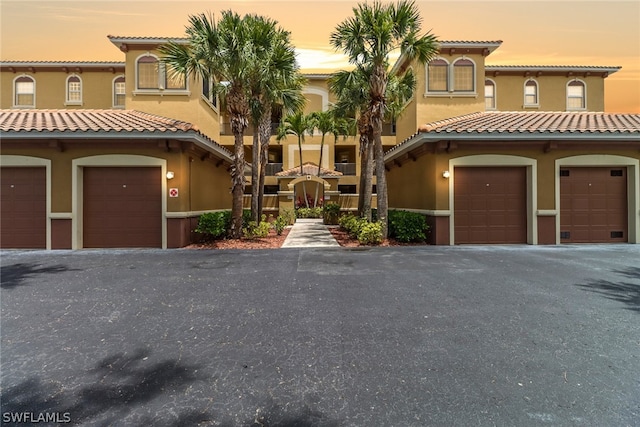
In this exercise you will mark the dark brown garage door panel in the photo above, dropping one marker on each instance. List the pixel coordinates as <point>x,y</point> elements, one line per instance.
<point>593,205</point>
<point>122,207</point>
<point>490,205</point>
<point>23,215</point>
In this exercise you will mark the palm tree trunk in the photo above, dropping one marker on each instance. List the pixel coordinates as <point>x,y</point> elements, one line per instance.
<point>366,179</point>
<point>255,171</point>
<point>300,152</point>
<point>377,89</point>
<point>321,147</point>
<point>265,136</point>
<point>381,185</point>
<point>238,110</point>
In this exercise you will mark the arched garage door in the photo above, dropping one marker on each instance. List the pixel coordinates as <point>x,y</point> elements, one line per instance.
<point>23,215</point>
<point>490,205</point>
<point>593,205</point>
<point>122,207</point>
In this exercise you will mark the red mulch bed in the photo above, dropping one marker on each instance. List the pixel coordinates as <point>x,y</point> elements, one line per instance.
<point>345,240</point>
<point>272,241</point>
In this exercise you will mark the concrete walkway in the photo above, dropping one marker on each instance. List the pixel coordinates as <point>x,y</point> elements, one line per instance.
<point>309,233</point>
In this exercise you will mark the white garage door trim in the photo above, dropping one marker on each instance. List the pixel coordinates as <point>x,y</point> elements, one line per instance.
<point>10,160</point>
<point>607,160</point>
<point>488,160</point>
<point>113,160</point>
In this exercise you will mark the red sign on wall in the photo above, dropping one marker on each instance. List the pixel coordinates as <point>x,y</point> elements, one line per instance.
<point>173,192</point>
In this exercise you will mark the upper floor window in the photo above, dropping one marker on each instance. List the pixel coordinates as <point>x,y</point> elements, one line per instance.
<point>576,95</point>
<point>489,94</point>
<point>118,92</point>
<point>463,75</point>
<point>207,92</point>
<point>24,91</point>
<point>438,80</point>
<point>74,90</point>
<point>531,92</point>
<point>148,69</point>
<point>151,74</point>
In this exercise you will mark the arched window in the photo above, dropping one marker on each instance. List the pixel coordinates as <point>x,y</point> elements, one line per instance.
<point>438,76</point>
<point>489,94</point>
<point>576,95</point>
<point>531,93</point>
<point>74,90</point>
<point>118,92</point>
<point>24,92</point>
<point>148,69</point>
<point>464,75</point>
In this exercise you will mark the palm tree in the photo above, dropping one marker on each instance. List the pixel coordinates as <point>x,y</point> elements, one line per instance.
<point>297,124</point>
<point>275,79</point>
<point>222,51</point>
<point>327,122</point>
<point>368,38</point>
<point>351,90</point>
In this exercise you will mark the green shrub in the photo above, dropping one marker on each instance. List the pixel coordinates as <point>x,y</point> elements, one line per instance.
<point>288,215</point>
<point>253,230</point>
<point>370,233</point>
<point>331,212</point>
<point>280,223</point>
<point>214,224</point>
<point>246,217</point>
<point>352,224</point>
<point>309,212</point>
<point>407,226</point>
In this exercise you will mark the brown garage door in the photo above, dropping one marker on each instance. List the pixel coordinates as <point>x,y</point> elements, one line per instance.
<point>23,215</point>
<point>490,205</point>
<point>122,207</point>
<point>593,205</point>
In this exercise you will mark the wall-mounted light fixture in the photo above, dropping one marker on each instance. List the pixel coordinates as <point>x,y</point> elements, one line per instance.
<point>170,175</point>
<point>446,174</point>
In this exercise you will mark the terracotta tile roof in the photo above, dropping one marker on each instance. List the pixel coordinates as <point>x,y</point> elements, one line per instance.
<point>62,63</point>
<point>308,168</point>
<point>553,68</point>
<point>96,123</point>
<point>511,126</point>
<point>469,42</point>
<point>530,123</point>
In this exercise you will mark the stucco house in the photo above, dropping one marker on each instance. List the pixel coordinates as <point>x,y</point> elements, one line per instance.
<point>73,130</point>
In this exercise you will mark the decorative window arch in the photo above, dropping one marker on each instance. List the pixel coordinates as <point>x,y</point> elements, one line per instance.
<point>576,95</point>
<point>489,94</point>
<point>531,95</point>
<point>119,88</point>
<point>464,75</point>
<point>438,75</point>
<point>73,90</point>
<point>24,91</point>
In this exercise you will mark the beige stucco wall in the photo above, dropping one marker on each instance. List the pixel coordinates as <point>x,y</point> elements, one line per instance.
<point>552,92</point>
<point>97,88</point>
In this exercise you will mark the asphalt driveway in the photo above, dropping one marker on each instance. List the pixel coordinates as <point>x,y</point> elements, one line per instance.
<point>422,336</point>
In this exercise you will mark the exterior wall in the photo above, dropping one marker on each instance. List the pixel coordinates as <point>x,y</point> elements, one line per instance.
<point>419,185</point>
<point>97,89</point>
<point>202,185</point>
<point>552,92</point>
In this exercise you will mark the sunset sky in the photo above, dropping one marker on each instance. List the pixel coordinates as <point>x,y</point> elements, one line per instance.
<point>604,33</point>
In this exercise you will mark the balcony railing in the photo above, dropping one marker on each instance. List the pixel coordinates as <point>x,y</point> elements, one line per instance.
<point>273,168</point>
<point>346,168</point>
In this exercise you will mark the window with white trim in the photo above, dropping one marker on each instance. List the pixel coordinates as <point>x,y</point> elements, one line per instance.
<point>464,75</point>
<point>438,80</point>
<point>118,92</point>
<point>24,92</point>
<point>207,92</point>
<point>489,95</point>
<point>74,90</point>
<point>576,95</point>
<point>531,92</point>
